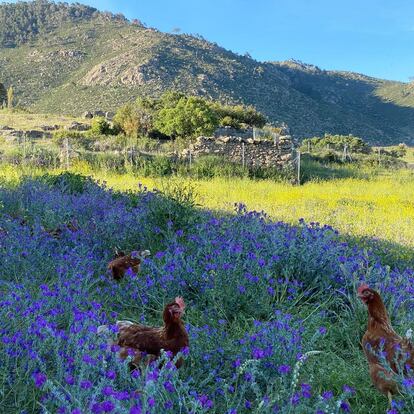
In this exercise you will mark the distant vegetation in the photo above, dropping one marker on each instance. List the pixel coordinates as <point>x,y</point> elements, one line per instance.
<point>347,149</point>
<point>176,115</point>
<point>22,22</point>
<point>71,58</point>
<point>147,137</point>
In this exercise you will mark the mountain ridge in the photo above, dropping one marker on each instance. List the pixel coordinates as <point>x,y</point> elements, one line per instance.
<point>78,59</point>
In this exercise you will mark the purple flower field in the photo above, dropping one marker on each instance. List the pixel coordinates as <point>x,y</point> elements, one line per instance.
<point>272,315</point>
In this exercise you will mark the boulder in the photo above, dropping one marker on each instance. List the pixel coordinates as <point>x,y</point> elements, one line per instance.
<point>49,127</point>
<point>6,128</point>
<point>77,126</point>
<point>34,134</point>
<point>99,113</point>
<point>87,115</point>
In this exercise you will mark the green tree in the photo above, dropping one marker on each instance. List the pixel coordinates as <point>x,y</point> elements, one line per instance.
<point>170,99</point>
<point>188,117</point>
<point>100,126</point>
<point>239,114</point>
<point>135,119</point>
<point>337,143</point>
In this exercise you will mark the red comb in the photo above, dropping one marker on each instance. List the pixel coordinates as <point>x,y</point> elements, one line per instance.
<point>363,287</point>
<point>180,302</point>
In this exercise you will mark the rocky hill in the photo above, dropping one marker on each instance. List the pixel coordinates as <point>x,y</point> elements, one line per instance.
<point>70,58</point>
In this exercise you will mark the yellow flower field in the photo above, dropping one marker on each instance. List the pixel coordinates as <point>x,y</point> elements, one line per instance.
<point>382,207</point>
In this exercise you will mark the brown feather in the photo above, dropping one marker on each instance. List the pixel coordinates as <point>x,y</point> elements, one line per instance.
<point>121,264</point>
<point>140,339</point>
<point>380,337</point>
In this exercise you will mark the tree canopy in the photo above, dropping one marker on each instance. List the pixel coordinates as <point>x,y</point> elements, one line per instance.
<point>338,143</point>
<point>175,114</point>
<point>23,21</point>
<point>189,117</point>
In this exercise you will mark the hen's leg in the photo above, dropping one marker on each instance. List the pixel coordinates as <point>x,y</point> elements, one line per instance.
<point>134,364</point>
<point>390,398</point>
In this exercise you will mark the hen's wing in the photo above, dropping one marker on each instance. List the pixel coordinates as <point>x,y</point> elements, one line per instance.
<point>140,337</point>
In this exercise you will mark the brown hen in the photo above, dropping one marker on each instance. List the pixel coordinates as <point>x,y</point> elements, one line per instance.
<point>381,341</point>
<point>137,340</point>
<point>123,262</point>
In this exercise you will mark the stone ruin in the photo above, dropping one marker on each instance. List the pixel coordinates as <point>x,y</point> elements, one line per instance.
<point>277,152</point>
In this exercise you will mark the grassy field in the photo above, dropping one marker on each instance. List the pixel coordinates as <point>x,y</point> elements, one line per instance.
<point>256,293</point>
<point>380,207</point>
<point>27,121</point>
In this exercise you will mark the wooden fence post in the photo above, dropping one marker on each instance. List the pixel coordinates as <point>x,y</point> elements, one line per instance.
<point>67,152</point>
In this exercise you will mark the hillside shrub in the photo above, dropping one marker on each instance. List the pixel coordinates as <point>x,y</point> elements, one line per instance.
<point>133,120</point>
<point>239,114</point>
<point>100,126</point>
<point>68,182</point>
<point>336,143</point>
<point>75,139</point>
<point>190,117</point>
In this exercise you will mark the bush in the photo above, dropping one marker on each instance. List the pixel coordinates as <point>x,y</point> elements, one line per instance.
<point>336,143</point>
<point>239,114</point>
<point>76,139</point>
<point>190,117</point>
<point>133,120</point>
<point>229,121</point>
<point>100,126</point>
<point>68,182</point>
<point>33,156</point>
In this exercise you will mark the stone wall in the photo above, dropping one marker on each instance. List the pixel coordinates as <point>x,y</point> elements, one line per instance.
<point>257,153</point>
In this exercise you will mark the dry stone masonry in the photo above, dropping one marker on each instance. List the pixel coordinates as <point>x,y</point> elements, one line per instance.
<point>253,152</point>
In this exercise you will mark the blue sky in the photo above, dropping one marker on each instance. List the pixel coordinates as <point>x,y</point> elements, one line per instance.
<point>374,37</point>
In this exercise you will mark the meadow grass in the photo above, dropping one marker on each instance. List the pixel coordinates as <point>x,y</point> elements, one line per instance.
<point>25,121</point>
<point>380,207</point>
<point>361,207</point>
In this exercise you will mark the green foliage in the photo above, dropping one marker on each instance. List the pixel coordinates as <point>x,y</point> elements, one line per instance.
<point>171,208</point>
<point>229,121</point>
<point>236,115</point>
<point>337,143</point>
<point>212,166</point>
<point>187,117</point>
<point>133,119</point>
<point>177,115</point>
<point>68,182</point>
<point>76,139</point>
<point>24,21</point>
<point>100,126</point>
<point>397,152</point>
<point>170,99</point>
<point>31,155</point>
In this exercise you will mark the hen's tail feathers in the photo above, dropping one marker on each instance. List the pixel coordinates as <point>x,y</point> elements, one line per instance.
<point>103,330</point>
<point>123,324</point>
